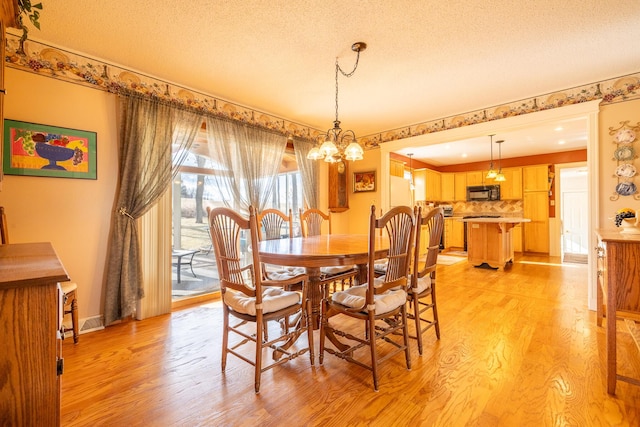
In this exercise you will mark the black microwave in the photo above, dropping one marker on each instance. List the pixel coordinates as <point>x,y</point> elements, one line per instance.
<point>481,193</point>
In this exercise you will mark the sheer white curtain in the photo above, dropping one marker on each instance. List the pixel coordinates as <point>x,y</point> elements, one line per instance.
<point>308,172</point>
<point>148,128</point>
<point>249,159</point>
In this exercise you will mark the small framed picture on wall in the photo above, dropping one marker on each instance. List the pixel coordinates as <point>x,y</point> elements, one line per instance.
<point>364,181</point>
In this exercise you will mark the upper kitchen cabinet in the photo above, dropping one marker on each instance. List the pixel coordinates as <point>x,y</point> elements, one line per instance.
<point>448,187</point>
<point>475,178</point>
<point>535,178</point>
<point>396,168</point>
<point>511,189</point>
<point>420,184</point>
<point>460,191</point>
<point>433,185</point>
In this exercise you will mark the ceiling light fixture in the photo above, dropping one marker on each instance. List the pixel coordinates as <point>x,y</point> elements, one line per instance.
<point>492,172</point>
<point>500,176</point>
<point>411,185</point>
<point>338,144</point>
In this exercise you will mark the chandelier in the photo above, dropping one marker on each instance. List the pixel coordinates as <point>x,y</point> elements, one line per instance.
<point>337,143</point>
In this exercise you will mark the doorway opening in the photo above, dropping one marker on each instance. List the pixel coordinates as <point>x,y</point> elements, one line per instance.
<point>574,209</point>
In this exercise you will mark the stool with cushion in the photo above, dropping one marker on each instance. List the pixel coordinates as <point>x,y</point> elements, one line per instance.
<point>70,291</point>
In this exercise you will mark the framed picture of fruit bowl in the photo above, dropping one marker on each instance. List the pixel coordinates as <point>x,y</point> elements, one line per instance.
<point>41,150</point>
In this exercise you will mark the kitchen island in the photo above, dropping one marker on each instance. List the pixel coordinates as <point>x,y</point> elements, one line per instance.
<point>490,240</point>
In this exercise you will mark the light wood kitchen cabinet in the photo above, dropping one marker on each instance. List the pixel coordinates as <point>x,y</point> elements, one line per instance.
<point>618,291</point>
<point>30,313</point>
<point>536,232</point>
<point>396,168</point>
<point>475,178</point>
<point>448,187</point>
<point>453,233</point>
<point>433,185</point>
<point>516,232</point>
<point>511,189</point>
<point>420,184</point>
<point>535,178</point>
<point>460,187</point>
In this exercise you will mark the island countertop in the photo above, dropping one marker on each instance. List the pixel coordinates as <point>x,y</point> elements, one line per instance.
<point>502,219</point>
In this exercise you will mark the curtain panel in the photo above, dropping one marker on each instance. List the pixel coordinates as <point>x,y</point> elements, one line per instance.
<point>148,129</point>
<point>249,159</point>
<point>308,172</point>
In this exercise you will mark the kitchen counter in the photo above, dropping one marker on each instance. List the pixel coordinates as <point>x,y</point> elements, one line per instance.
<point>490,242</point>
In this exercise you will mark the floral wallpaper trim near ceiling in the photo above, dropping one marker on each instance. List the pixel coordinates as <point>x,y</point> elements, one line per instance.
<point>67,66</point>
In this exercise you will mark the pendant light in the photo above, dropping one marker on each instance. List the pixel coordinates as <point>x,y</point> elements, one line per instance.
<point>500,176</point>
<point>492,172</point>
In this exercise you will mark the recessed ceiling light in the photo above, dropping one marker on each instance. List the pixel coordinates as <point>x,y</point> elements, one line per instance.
<point>464,154</point>
<point>561,142</point>
<point>559,128</point>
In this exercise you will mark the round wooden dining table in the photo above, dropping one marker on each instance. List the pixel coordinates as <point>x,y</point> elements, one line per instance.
<point>325,250</point>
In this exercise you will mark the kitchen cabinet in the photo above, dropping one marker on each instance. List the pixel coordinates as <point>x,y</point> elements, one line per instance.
<point>433,186</point>
<point>618,290</point>
<point>536,232</point>
<point>490,242</point>
<point>460,187</point>
<point>517,238</point>
<point>511,189</point>
<point>420,184</point>
<point>535,178</point>
<point>30,315</point>
<point>475,178</point>
<point>453,233</point>
<point>396,168</point>
<point>448,187</point>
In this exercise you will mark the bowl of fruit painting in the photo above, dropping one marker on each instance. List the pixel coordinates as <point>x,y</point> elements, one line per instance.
<point>41,150</point>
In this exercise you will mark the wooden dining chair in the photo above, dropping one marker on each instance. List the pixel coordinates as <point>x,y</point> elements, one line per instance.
<point>422,293</point>
<point>271,224</point>
<point>380,304</point>
<point>249,299</point>
<point>311,223</point>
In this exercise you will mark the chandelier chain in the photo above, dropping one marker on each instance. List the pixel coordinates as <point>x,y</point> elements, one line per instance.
<point>338,68</point>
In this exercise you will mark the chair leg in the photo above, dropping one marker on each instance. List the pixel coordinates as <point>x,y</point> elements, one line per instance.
<point>405,333</point>
<point>372,346</point>
<point>309,323</point>
<point>259,328</point>
<point>435,310</point>
<point>416,315</point>
<point>225,336</point>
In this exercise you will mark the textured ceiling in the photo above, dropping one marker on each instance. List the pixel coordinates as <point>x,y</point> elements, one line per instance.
<point>425,59</point>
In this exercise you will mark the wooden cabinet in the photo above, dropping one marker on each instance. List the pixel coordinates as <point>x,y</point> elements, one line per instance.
<point>453,233</point>
<point>30,310</point>
<point>396,168</point>
<point>535,178</point>
<point>536,232</point>
<point>433,186</point>
<point>448,187</point>
<point>475,178</point>
<point>460,187</point>
<point>338,189</point>
<point>511,189</point>
<point>516,232</point>
<point>490,243</point>
<point>420,184</point>
<point>619,291</point>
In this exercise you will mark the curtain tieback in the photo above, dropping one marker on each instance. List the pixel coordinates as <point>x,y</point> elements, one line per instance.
<point>123,211</point>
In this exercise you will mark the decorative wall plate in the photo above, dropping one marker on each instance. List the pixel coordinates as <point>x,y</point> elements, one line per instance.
<point>625,136</point>
<point>626,188</point>
<point>626,170</point>
<point>624,153</point>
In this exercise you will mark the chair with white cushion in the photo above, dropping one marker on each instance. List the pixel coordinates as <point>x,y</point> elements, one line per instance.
<point>248,299</point>
<point>311,222</point>
<point>70,292</point>
<point>422,293</point>
<point>380,304</point>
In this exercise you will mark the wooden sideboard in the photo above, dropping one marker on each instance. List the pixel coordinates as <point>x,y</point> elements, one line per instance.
<point>618,291</point>
<point>30,317</point>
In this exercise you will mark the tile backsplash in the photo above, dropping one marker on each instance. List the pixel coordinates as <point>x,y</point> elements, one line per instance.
<point>502,207</point>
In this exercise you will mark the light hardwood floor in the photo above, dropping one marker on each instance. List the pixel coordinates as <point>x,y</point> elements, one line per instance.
<point>518,348</point>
